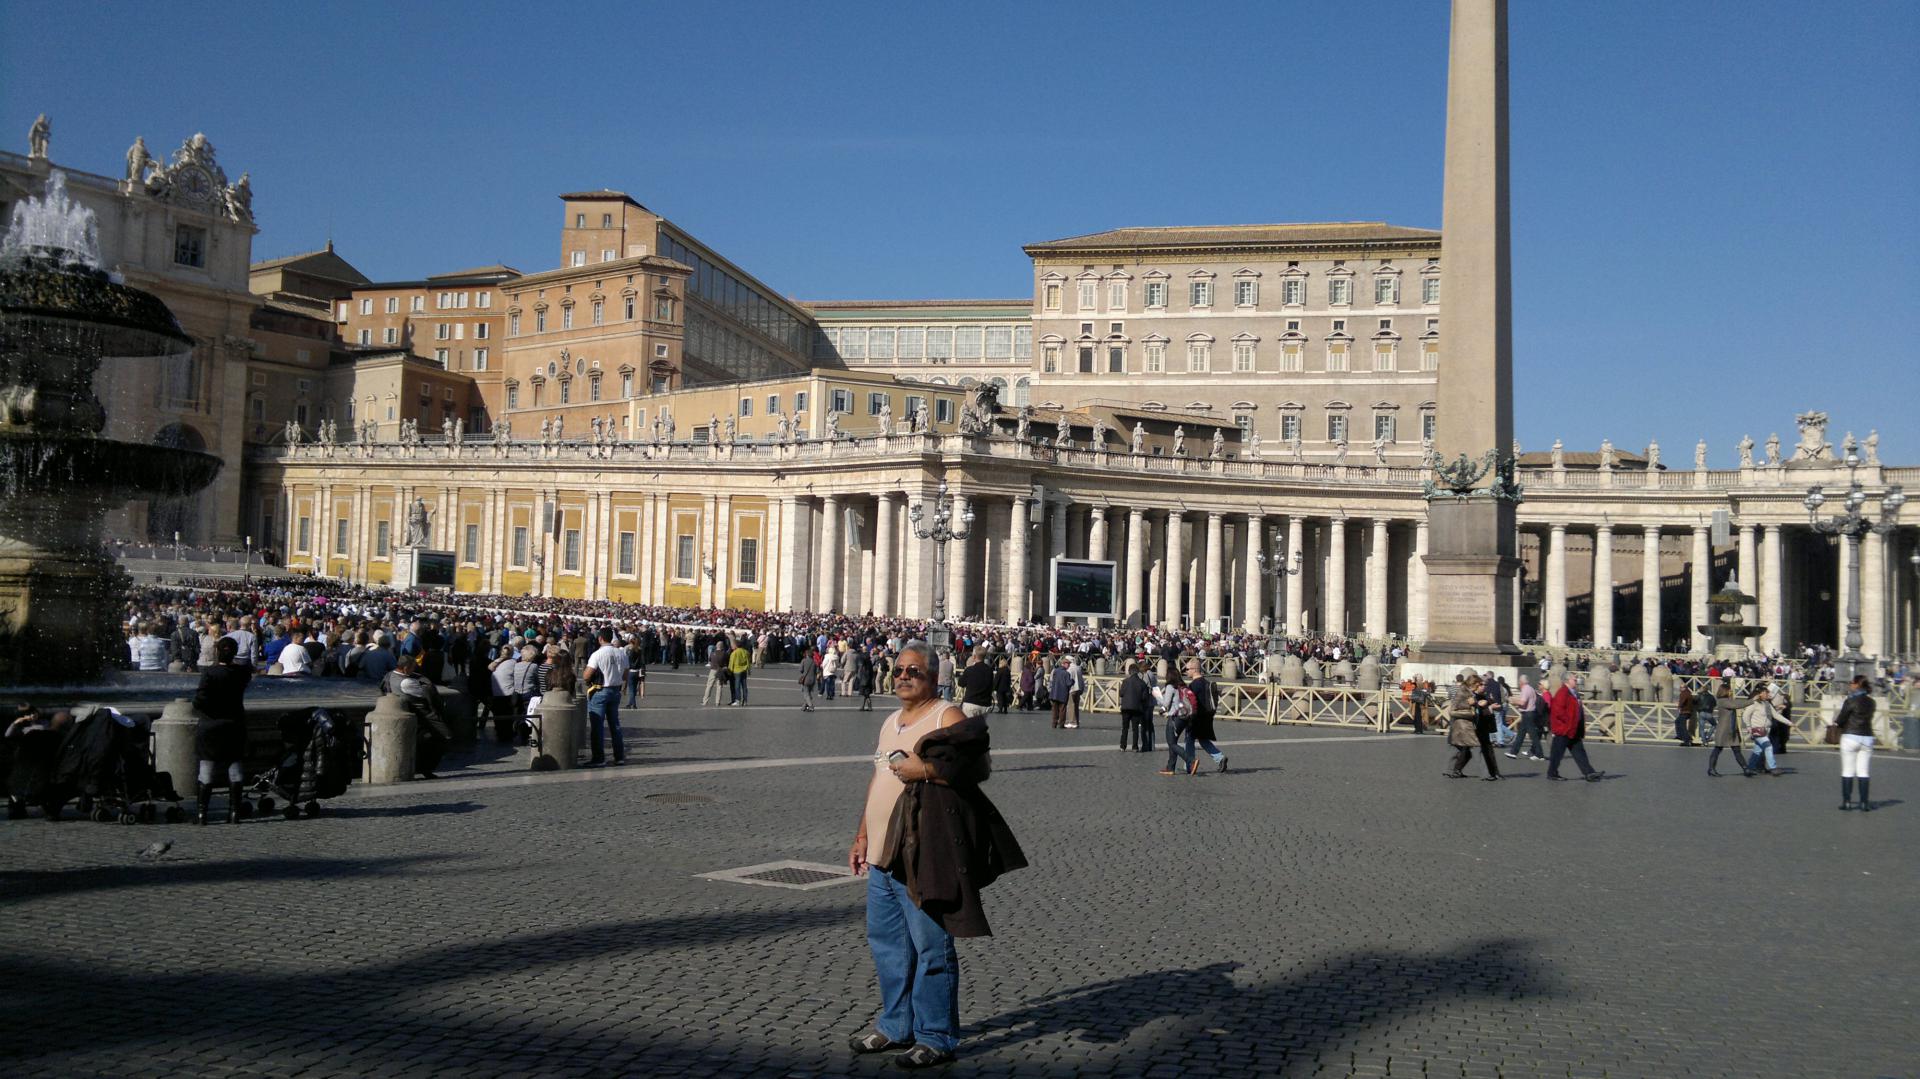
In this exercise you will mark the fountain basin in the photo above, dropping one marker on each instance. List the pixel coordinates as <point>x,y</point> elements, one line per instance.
<point>74,465</point>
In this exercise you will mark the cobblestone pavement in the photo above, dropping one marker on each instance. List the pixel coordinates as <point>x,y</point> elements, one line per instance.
<point>1330,906</point>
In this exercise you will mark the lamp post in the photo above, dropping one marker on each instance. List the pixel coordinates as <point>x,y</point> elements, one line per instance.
<point>1852,525</point>
<point>939,526</point>
<point>1280,566</point>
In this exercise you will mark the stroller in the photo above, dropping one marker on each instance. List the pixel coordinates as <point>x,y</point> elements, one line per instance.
<point>319,756</point>
<point>104,763</point>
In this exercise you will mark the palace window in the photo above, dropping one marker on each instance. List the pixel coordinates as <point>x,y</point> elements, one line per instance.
<point>393,305</point>
<point>1430,291</point>
<point>1289,426</point>
<point>624,560</point>
<point>746,406</point>
<point>513,325</point>
<point>683,558</point>
<point>1336,427</point>
<point>1293,291</point>
<point>1050,359</point>
<point>747,565</point>
<point>663,309</point>
<point>626,384</point>
<point>539,322</point>
<point>593,387</point>
<point>1337,356</point>
<point>1050,296</point>
<point>1156,357</point>
<point>1116,359</point>
<point>939,345</point>
<point>518,558</point>
<point>472,544</point>
<point>1339,291</point>
<point>340,536</point>
<point>1427,426</point>
<point>1023,342</point>
<point>1386,290</point>
<point>943,410</point>
<point>598,312</point>
<point>190,249</point>
<point>968,342</point>
<point>1087,289</point>
<point>841,401</point>
<point>800,401</point>
<point>391,335</point>
<point>1246,293</point>
<point>1383,356</point>
<point>1384,427</point>
<point>306,535</point>
<point>773,404</point>
<point>566,390</point>
<point>381,536</point>
<point>875,402</point>
<point>880,344</point>
<point>418,304</point>
<point>999,342</point>
<point>1430,355</point>
<point>513,397</point>
<point>1086,359</point>
<point>570,551</point>
<point>1199,356</point>
<point>1290,358</point>
<point>910,343</point>
<point>1117,295</point>
<point>1200,294</point>
<point>1243,355</point>
<point>566,317</point>
<point>1156,294</point>
<point>440,356</point>
<point>481,331</point>
<point>366,305</point>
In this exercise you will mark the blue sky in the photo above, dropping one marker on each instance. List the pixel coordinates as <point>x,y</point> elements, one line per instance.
<point>1715,203</point>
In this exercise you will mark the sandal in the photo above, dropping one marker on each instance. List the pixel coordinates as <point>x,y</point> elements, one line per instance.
<point>922,1056</point>
<point>875,1042</point>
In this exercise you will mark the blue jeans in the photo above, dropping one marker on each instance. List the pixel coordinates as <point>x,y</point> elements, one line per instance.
<point>1204,743</point>
<point>633,688</point>
<point>603,706</point>
<point>740,688</point>
<point>1179,745</point>
<point>1762,750</point>
<point>919,967</point>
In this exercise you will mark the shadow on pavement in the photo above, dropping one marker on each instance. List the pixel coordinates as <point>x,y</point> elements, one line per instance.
<point>23,885</point>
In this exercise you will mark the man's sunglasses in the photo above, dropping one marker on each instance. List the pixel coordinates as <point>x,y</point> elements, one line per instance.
<point>909,672</point>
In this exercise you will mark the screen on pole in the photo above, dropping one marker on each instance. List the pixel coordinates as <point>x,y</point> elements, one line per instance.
<point>1083,588</point>
<point>433,569</point>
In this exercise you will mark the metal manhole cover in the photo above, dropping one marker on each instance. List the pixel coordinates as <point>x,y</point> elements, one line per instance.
<point>679,799</point>
<point>795,876</point>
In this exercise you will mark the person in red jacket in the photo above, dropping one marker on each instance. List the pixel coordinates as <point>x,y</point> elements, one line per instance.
<point>1567,717</point>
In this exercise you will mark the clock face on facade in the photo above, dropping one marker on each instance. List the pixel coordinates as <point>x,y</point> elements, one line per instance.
<point>196,183</point>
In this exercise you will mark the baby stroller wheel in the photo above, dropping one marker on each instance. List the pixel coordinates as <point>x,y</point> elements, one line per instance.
<point>313,809</point>
<point>99,814</point>
<point>266,804</point>
<point>292,812</point>
<point>147,813</point>
<point>84,805</point>
<point>128,816</point>
<point>244,809</point>
<point>175,814</point>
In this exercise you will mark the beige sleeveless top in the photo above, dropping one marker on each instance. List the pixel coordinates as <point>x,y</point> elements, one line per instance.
<point>885,788</point>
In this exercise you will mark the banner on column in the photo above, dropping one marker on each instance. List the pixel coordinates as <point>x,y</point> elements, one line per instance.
<point>1082,588</point>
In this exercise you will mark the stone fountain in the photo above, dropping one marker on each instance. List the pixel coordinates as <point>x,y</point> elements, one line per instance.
<point>60,316</point>
<point>1727,631</point>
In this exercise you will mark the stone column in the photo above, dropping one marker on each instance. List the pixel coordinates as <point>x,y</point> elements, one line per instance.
<point>958,571</point>
<point>916,588</point>
<point>1749,573</point>
<point>1873,595</point>
<point>884,544</point>
<point>832,556</point>
<point>1156,571</point>
<point>1097,533</point>
<point>1702,586</point>
<point>1336,616</point>
<point>1380,543</point>
<point>1772,572</point>
<point>1554,607</point>
<point>1057,548</point>
<point>1215,587</point>
<point>1603,586</point>
<point>1253,574</point>
<point>722,550</point>
<point>1176,568</point>
<point>1650,590</point>
<point>791,511</point>
<point>1135,614</point>
<point>1294,579</point>
<point>1019,558</point>
<point>1417,584</point>
<point>1842,590</point>
<point>589,544</point>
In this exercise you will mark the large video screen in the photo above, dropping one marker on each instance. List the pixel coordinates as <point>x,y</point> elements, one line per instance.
<point>433,569</point>
<point>1083,588</point>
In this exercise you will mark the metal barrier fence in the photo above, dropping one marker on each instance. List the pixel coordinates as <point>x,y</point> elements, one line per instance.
<point>1645,722</point>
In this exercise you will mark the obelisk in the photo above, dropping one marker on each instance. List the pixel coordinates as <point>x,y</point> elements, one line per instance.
<point>1471,559</point>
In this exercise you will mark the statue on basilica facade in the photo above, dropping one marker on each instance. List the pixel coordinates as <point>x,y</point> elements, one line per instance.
<point>1219,447</point>
<point>1179,441</point>
<point>1023,424</point>
<point>1700,454</point>
<point>1559,455</point>
<point>1873,446</point>
<point>417,523</point>
<point>1380,450</point>
<point>1099,435</point>
<point>886,417</point>
<point>1653,455</point>
<point>727,430</point>
<point>1253,443</point>
<point>1340,451</point>
<point>833,426</point>
<point>139,160</point>
<point>781,428</point>
<point>38,136</point>
<point>293,433</point>
<point>240,198</point>
<point>1813,438</point>
<point>1773,450</point>
<point>1746,449</point>
<point>669,427</point>
<point>1294,446</point>
<point>1139,438</point>
<point>1606,455</point>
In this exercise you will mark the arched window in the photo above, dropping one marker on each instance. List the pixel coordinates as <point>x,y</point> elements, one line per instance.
<point>1022,391</point>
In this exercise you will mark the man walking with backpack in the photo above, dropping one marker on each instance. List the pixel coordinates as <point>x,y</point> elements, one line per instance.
<point>1135,703</point>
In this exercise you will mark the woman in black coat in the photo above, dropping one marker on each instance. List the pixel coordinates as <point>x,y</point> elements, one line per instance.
<point>221,738</point>
<point>1003,684</point>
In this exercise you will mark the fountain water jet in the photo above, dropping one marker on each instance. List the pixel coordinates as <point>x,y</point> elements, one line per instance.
<point>60,316</point>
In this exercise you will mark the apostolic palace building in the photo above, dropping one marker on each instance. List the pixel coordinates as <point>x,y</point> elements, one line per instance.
<point>1239,416</point>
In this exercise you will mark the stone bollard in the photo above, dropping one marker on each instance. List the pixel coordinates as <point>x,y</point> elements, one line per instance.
<point>1600,688</point>
<point>1639,684</point>
<point>391,730</point>
<point>1015,666</point>
<point>1293,672</point>
<point>1663,685</point>
<point>1343,673</point>
<point>173,751</point>
<point>1622,686</point>
<point>1556,676</point>
<point>1312,672</point>
<point>1229,669</point>
<point>562,720</point>
<point>1272,668</point>
<point>176,667</point>
<point>458,709</point>
<point>1161,668</point>
<point>1367,675</point>
<point>1106,666</point>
